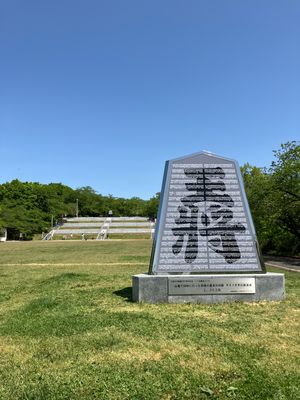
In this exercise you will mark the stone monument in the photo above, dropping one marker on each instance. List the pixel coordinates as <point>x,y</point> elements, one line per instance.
<point>205,248</point>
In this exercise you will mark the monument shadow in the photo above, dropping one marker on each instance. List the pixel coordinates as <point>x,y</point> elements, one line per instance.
<point>126,293</point>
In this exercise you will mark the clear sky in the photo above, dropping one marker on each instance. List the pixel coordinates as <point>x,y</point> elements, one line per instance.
<point>101,93</point>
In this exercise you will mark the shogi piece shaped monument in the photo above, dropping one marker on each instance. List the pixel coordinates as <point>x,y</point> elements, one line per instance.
<point>205,248</point>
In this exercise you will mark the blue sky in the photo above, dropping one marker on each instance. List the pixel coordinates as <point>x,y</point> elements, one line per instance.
<point>101,93</point>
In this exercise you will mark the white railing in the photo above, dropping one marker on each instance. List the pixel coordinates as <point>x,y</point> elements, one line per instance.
<point>102,234</point>
<point>49,235</point>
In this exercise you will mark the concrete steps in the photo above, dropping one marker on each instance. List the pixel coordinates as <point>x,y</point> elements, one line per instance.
<point>102,227</point>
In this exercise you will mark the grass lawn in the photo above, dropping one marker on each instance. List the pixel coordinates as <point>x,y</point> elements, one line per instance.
<point>68,330</point>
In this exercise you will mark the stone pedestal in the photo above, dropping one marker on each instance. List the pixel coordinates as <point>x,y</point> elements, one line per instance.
<point>213,288</point>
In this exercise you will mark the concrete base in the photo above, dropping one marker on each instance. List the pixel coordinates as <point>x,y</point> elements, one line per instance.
<point>156,289</point>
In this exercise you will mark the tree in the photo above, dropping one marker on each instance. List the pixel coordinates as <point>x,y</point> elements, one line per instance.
<point>274,200</point>
<point>285,184</point>
<point>257,186</point>
<point>151,208</point>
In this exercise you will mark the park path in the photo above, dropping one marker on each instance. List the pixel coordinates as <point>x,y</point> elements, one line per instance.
<point>288,263</point>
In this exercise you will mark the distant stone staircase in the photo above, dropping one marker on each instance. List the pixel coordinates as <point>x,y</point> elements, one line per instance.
<point>101,227</point>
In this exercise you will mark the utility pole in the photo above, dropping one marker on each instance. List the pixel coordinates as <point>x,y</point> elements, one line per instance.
<point>52,221</point>
<point>77,208</point>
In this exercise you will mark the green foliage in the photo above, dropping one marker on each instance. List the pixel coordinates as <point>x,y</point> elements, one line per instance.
<point>285,173</point>
<point>274,198</point>
<point>28,207</point>
<point>152,206</point>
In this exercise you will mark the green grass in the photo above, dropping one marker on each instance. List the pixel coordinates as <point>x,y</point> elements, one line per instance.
<point>68,330</point>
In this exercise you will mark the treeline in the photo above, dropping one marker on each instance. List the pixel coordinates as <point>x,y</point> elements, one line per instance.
<point>27,208</point>
<point>274,199</point>
<point>273,193</point>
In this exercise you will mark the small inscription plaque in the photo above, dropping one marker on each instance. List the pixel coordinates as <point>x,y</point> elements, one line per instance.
<point>210,285</point>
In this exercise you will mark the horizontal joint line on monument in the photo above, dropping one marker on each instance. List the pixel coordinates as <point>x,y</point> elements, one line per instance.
<point>201,165</point>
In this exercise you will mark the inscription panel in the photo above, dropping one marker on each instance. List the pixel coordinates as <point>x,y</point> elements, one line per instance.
<point>210,285</point>
<point>204,224</point>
